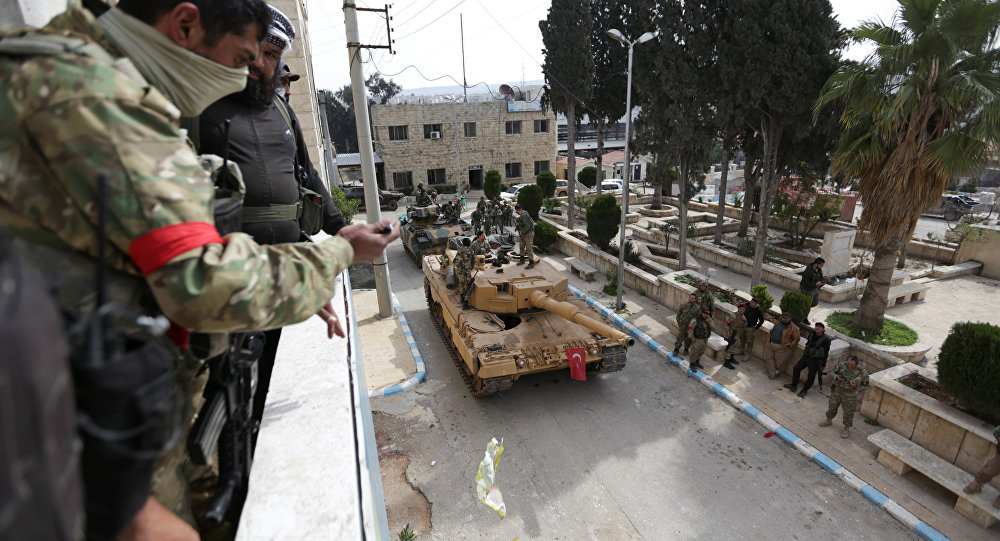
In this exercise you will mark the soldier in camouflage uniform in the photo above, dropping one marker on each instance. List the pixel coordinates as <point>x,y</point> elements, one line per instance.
<point>705,298</point>
<point>480,246</point>
<point>508,215</point>
<point>496,216</point>
<point>849,378</point>
<point>481,205</point>
<point>477,220</point>
<point>423,198</point>
<point>735,326</point>
<point>685,315</point>
<point>702,332</point>
<point>526,229</point>
<point>72,112</point>
<point>465,260</point>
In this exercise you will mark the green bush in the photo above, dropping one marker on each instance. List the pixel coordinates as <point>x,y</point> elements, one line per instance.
<point>970,186</point>
<point>587,176</point>
<point>747,247</point>
<point>603,217</point>
<point>797,304</point>
<point>632,255</point>
<point>893,333</point>
<point>765,300</point>
<point>406,190</point>
<point>969,367</point>
<point>446,188</point>
<point>348,207</point>
<point>547,182</point>
<point>611,288</point>
<point>493,184</point>
<point>552,205</point>
<point>545,235</point>
<point>530,199</point>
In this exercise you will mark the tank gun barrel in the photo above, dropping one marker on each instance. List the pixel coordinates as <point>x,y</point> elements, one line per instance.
<point>570,312</point>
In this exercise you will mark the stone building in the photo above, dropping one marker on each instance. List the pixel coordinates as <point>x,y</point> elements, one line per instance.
<point>417,142</point>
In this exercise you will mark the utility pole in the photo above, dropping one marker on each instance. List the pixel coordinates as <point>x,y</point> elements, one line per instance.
<point>458,159</point>
<point>360,92</point>
<point>465,84</point>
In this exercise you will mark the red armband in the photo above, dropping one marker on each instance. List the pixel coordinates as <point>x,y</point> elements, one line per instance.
<point>156,248</point>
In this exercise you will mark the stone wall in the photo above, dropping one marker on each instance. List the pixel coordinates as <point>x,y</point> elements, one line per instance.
<point>982,244</point>
<point>491,148</point>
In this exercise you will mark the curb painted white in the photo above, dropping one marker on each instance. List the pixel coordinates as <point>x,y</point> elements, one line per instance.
<point>421,372</point>
<point>871,493</point>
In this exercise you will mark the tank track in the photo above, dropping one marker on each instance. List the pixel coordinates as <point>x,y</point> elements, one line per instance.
<point>487,386</point>
<point>614,360</point>
<point>413,256</point>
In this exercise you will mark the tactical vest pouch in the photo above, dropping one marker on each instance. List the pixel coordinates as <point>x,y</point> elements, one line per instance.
<point>311,221</point>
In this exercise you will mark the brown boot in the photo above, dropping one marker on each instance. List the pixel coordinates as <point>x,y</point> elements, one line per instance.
<point>975,487</point>
<point>826,422</point>
<point>845,432</point>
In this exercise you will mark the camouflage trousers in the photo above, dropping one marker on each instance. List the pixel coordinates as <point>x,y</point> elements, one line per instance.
<point>744,337</point>
<point>698,346</point>
<point>684,337</point>
<point>846,397</point>
<point>989,470</point>
<point>528,245</point>
<point>462,278</point>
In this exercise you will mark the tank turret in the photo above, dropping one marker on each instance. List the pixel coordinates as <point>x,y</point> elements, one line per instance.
<point>425,231</point>
<point>518,322</point>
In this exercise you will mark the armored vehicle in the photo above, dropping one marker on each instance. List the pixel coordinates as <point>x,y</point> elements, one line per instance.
<point>425,231</point>
<point>519,322</point>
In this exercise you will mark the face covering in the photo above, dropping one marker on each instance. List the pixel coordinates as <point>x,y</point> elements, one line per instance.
<point>191,81</point>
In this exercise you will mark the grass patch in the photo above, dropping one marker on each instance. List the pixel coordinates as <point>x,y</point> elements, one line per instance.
<point>893,333</point>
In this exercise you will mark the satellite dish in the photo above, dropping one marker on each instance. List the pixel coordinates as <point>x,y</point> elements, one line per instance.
<point>507,92</point>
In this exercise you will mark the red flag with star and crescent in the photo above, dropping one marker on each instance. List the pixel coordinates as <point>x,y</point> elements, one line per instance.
<point>577,363</point>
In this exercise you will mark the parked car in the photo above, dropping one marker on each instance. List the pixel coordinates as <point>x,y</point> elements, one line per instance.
<point>952,207</point>
<point>613,186</point>
<point>388,199</point>
<point>562,188</point>
<point>510,194</point>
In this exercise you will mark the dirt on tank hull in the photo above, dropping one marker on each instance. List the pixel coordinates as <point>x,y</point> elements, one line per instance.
<point>519,322</point>
<point>424,231</point>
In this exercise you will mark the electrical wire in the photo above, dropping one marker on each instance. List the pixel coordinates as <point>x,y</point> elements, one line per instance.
<point>378,70</point>
<point>415,15</point>
<point>438,18</point>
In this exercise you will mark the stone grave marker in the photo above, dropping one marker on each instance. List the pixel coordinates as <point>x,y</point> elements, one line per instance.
<point>836,251</point>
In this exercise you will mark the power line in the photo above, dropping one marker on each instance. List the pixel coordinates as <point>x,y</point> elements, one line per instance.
<point>434,21</point>
<point>417,14</point>
<point>371,59</point>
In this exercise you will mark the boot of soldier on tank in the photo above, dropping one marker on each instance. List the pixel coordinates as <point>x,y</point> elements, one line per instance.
<point>520,260</point>
<point>975,487</point>
<point>531,265</point>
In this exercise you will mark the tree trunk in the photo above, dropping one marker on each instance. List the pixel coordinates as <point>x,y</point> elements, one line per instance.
<point>769,188</point>
<point>657,196</point>
<point>749,187</point>
<point>871,311</point>
<point>682,219</point>
<point>600,157</point>
<point>721,189</point>
<point>570,162</point>
<point>901,262</point>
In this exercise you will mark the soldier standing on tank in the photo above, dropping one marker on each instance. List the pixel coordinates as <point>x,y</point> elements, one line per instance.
<point>685,315</point>
<point>526,229</point>
<point>702,332</point>
<point>465,260</point>
<point>423,198</point>
<point>480,246</point>
<point>849,378</point>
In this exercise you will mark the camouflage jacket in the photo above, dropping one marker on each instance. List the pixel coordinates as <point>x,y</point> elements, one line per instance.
<point>687,312</point>
<point>480,248</point>
<point>68,117</point>
<point>465,259</point>
<point>736,322</point>
<point>706,300</point>
<point>702,329</point>
<point>525,224</point>
<point>858,376</point>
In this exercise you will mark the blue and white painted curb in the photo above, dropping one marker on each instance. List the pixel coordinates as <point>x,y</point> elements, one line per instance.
<point>421,372</point>
<point>871,493</point>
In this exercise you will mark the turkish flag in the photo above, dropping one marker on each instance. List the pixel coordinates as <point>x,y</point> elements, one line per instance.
<point>577,363</point>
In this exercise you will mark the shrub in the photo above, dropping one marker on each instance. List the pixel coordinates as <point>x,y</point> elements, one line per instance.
<point>603,217</point>
<point>406,190</point>
<point>797,304</point>
<point>446,188</point>
<point>493,184</point>
<point>545,235</point>
<point>348,207</point>
<point>747,247</point>
<point>530,199</point>
<point>765,300</point>
<point>547,182</point>
<point>611,288</point>
<point>587,176</point>
<point>632,255</point>
<point>969,367</point>
<point>552,205</point>
<point>970,186</point>
<point>893,333</point>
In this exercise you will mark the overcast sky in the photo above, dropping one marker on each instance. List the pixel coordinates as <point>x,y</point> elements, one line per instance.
<point>427,37</point>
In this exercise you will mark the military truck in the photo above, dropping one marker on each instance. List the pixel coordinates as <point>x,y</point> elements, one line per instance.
<point>519,322</point>
<point>424,231</point>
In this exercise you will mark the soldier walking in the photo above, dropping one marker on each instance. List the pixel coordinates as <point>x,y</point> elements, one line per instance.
<point>850,377</point>
<point>465,260</point>
<point>685,315</point>
<point>989,470</point>
<point>526,228</point>
<point>702,332</point>
<point>812,280</point>
<point>813,358</point>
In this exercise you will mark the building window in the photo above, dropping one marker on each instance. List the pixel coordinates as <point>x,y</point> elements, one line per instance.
<point>513,127</point>
<point>402,179</point>
<point>542,126</point>
<point>513,170</point>
<point>436,176</point>
<point>432,131</point>
<point>470,129</point>
<point>541,166</point>
<point>397,133</point>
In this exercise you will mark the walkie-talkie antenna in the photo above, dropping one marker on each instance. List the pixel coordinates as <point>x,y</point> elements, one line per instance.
<point>102,225</point>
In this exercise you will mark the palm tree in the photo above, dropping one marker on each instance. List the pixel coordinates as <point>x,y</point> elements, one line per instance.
<point>922,108</point>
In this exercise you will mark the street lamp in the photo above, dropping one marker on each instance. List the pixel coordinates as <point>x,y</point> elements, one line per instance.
<point>627,173</point>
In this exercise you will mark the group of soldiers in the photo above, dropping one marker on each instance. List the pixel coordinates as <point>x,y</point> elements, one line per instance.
<point>492,216</point>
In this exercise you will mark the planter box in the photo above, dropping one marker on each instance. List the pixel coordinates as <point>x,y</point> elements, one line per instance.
<point>950,434</point>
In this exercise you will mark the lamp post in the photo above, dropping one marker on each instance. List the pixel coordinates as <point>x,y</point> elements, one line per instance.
<point>627,173</point>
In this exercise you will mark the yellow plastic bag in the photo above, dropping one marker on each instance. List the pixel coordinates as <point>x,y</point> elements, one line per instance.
<point>486,482</point>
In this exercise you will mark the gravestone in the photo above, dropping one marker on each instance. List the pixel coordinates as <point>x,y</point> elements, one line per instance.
<point>836,251</point>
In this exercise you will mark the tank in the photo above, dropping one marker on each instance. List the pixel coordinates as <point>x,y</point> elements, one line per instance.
<point>519,322</point>
<point>425,232</point>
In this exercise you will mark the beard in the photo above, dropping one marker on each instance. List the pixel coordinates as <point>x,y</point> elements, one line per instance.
<point>260,91</point>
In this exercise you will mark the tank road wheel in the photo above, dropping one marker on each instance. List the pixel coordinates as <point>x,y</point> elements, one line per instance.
<point>613,361</point>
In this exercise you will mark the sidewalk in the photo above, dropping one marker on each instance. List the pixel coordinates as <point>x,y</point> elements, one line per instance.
<point>912,491</point>
<point>390,363</point>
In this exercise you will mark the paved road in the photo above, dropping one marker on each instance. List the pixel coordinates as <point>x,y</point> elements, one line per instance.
<point>642,454</point>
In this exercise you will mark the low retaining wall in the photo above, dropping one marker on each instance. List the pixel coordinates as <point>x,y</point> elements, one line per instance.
<point>956,437</point>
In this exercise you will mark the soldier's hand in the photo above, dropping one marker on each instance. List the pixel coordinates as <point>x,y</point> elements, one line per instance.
<point>367,240</point>
<point>333,327</point>
<point>155,522</point>
<point>854,384</point>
